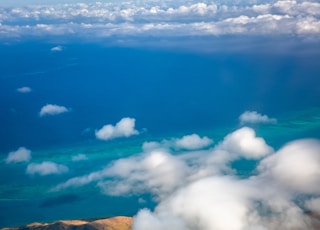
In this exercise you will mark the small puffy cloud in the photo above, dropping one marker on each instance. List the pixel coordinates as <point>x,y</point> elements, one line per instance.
<point>192,142</point>
<point>46,168</point>
<point>56,49</point>
<point>24,89</point>
<point>20,155</point>
<point>79,157</point>
<point>124,128</point>
<point>151,145</point>
<point>244,142</point>
<point>296,166</point>
<point>253,117</point>
<point>51,109</point>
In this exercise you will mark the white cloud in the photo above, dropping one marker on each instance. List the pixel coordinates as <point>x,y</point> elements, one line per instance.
<point>187,142</point>
<point>51,109</point>
<point>199,189</point>
<point>210,203</point>
<point>56,49</point>
<point>80,181</point>
<point>46,168</point>
<point>192,142</point>
<point>24,89</point>
<point>223,202</point>
<point>152,145</point>
<point>253,117</point>
<point>169,19</point>
<point>20,155</point>
<point>157,171</point>
<point>79,157</point>
<point>296,166</point>
<point>313,205</point>
<point>245,143</point>
<point>124,128</point>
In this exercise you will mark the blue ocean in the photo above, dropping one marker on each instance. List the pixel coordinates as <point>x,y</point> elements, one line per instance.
<point>169,92</point>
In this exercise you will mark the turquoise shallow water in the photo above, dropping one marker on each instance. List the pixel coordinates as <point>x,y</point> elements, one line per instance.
<point>169,93</point>
<point>29,198</point>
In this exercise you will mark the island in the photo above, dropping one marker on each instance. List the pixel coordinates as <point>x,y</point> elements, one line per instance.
<point>113,223</point>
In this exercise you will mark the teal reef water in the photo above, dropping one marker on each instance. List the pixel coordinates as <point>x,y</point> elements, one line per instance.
<point>169,93</point>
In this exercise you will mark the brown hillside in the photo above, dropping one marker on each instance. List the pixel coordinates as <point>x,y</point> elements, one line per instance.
<point>115,223</point>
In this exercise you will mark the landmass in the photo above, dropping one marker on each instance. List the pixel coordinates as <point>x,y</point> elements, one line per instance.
<point>114,223</point>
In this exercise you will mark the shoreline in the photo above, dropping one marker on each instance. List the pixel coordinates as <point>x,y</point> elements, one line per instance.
<point>112,223</point>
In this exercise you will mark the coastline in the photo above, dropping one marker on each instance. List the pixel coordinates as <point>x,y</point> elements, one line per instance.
<point>112,223</point>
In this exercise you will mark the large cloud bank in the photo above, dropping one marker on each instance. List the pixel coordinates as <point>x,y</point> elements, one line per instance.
<point>201,190</point>
<point>163,19</point>
<point>124,128</point>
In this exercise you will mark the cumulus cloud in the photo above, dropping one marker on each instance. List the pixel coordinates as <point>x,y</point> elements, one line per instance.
<point>193,141</point>
<point>223,203</point>
<point>79,157</point>
<point>124,128</point>
<point>257,202</point>
<point>296,166</point>
<point>156,171</point>
<point>24,89</point>
<point>159,171</point>
<point>46,168</point>
<point>210,203</point>
<point>52,109</point>
<point>199,189</point>
<point>56,49</point>
<point>244,142</point>
<point>20,155</point>
<point>253,117</point>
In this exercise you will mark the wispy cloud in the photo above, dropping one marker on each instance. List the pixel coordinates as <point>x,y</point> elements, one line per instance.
<point>79,157</point>
<point>52,109</point>
<point>24,89</point>
<point>56,49</point>
<point>186,143</point>
<point>124,128</point>
<point>22,154</point>
<point>46,168</point>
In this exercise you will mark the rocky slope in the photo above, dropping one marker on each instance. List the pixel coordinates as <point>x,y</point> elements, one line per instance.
<point>115,223</point>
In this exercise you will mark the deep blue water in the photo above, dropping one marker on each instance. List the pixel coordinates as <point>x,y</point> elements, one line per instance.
<point>163,90</point>
<point>166,91</point>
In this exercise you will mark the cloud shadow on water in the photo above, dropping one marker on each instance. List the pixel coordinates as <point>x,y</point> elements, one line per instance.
<point>60,200</point>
